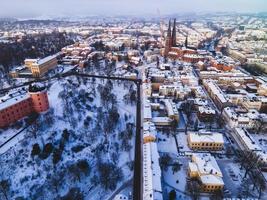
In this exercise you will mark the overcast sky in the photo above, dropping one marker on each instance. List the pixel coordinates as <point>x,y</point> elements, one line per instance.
<point>35,8</point>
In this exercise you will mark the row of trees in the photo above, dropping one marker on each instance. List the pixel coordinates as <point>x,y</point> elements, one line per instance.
<point>252,164</point>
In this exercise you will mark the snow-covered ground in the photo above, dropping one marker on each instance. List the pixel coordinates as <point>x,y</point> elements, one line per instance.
<point>166,143</point>
<point>77,107</point>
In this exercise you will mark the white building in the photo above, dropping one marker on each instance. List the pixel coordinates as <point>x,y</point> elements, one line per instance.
<point>246,142</point>
<point>151,172</point>
<point>171,109</point>
<point>241,120</point>
<point>147,110</point>
<point>162,121</point>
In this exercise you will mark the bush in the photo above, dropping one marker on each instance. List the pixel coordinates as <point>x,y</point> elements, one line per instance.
<point>83,166</point>
<point>164,161</point>
<point>56,156</point>
<point>77,148</point>
<point>48,149</point>
<point>35,149</point>
<point>172,195</point>
<point>73,194</point>
<point>110,175</point>
<point>66,135</point>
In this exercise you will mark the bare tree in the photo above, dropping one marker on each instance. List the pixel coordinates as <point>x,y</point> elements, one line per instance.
<point>258,181</point>
<point>249,161</point>
<point>194,189</point>
<point>55,181</point>
<point>217,195</point>
<point>259,125</point>
<point>4,188</point>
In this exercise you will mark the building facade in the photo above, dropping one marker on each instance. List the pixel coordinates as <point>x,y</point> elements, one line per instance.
<point>16,106</point>
<point>205,141</point>
<point>39,67</point>
<point>205,168</point>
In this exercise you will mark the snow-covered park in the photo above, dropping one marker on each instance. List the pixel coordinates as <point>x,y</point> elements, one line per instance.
<point>82,147</point>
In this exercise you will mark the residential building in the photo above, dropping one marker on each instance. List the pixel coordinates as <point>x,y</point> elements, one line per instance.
<point>152,189</point>
<point>171,109</point>
<point>149,132</point>
<point>204,167</point>
<point>246,142</point>
<point>205,140</point>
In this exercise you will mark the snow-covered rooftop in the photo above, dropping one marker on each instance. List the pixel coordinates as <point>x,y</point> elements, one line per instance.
<point>13,98</point>
<point>152,172</point>
<point>207,168</point>
<point>205,137</point>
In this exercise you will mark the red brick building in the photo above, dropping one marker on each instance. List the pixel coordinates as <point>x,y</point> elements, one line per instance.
<point>16,106</point>
<point>221,65</point>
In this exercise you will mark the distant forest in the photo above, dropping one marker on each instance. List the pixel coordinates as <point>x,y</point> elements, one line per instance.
<point>32,46</point>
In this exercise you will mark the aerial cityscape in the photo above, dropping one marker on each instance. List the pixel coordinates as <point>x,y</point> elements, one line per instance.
<point>133,100</point>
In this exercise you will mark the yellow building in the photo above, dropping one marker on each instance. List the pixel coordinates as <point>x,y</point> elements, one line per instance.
<point>205,168</point>
<point>205,141</point>
<point>39,67</point>
<point>149,132</point>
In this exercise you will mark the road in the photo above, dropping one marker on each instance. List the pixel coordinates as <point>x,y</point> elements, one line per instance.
<point>138,165</point>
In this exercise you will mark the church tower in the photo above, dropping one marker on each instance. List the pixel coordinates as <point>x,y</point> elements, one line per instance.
<point>186,42</point>
<point>168,41</point>
<point>174,34</point>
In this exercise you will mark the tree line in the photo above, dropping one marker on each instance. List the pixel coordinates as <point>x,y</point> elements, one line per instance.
<point>32,46</point>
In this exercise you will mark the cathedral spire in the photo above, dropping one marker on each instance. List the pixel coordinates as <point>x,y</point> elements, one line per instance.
<point>169,29</point>
<point>168,41</point>
<point>174,33</point>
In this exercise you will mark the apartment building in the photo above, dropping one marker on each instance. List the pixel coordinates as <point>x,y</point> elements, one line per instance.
<point>218,96</point>
<point>240,119</point>
<point>152,189</point>
<point>246,142</point>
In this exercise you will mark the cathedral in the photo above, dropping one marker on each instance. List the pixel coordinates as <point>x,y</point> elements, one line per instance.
<point>171,38</point>
<point>173,51</point>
